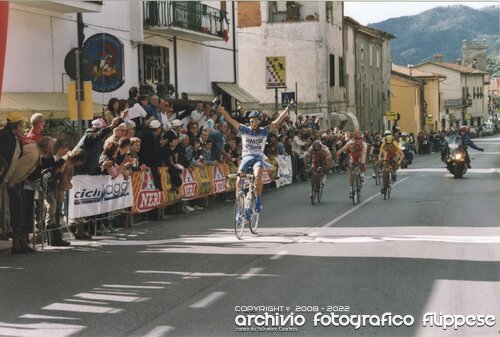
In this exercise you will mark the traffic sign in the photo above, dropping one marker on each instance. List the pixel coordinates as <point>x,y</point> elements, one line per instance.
<point>286,97</point>
<point>275,72</point>
<point>391,115</point>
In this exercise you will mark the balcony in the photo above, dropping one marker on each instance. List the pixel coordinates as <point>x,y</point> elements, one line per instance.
<point>63,6</point>
<point>457,103</point>
<point>190,20</point>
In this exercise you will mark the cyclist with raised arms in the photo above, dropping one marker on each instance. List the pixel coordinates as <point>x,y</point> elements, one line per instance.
<point>357,150</point>
<point>390,154</point>
<point>253,139</point>
<point>320,154</point>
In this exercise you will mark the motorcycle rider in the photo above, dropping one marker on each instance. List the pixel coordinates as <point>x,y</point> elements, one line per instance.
<point>467,141</point>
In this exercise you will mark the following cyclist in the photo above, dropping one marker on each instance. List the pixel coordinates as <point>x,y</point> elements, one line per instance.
<point>390,152</point>
<point>320,154</point>
<point>253,141</point>
<point>357,150</point>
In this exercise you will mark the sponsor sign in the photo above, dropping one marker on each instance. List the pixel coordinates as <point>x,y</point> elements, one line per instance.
<point>284,171</point>
<point>275,72</point>
<point>93,195</point>
<point>189,185</point>
<point>147,197</point>
<point>391,115</point>
<point>106,51</point>
<point>219,179</point>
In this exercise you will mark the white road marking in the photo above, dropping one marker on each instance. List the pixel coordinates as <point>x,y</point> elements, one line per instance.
<point>159,331</point>
<point>279,255</point>
<point>251,273</point>
<point>355,208</point>
<point>33,316</point>
<point>130,286</point>
<point>208,300</point>
<point>81,308</point>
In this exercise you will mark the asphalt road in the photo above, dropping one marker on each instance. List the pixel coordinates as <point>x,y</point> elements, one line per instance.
<point>434,247</point>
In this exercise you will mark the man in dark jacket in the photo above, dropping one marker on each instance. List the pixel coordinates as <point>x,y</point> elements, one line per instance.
<point>11,150</point>
<point>92,142</point>
<point>467,141</point>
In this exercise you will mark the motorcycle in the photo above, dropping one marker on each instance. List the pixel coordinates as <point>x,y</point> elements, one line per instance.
<point>408,151</point>
<point>454,156</point>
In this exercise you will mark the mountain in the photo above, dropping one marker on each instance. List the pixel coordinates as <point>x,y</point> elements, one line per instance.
<point>442,30</point>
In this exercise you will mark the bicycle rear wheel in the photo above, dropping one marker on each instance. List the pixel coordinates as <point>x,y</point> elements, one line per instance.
<point>239,215</point>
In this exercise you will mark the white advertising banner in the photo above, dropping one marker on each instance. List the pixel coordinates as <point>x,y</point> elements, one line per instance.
<point>93,195</point>
<point>284,171</point>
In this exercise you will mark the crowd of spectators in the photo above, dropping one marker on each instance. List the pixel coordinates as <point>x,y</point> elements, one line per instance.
<point>138,134</point>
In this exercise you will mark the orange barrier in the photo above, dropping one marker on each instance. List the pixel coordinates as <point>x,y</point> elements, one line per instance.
<point>196,183</point>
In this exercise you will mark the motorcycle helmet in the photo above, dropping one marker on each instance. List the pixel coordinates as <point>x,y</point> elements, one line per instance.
<point>358,135</point>
<point>255,114</point>
<point>317,145</point>
<point>387,133</point>
<point>389,139</point>
<point>464,128</point>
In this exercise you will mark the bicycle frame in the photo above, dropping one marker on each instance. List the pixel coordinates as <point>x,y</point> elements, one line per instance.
<point>387,177</point>
<point>316,183</point>
<point>355,182</point>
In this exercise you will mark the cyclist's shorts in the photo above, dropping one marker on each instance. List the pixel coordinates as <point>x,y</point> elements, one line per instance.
<point>252,162</point>
<point>319,159</point>
<point>357,157</point>
<point>391,156</point>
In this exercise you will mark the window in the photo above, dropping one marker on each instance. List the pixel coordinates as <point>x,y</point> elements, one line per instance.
<point>153,64</point>
<point>378,58</point>
<point>371,55</point>
<point>329,11</point>
<point>341,72</point>
<point>332,70</point>
<point>474,92</point>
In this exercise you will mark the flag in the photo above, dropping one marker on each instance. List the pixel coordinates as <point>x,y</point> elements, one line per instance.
<point>4,16</point>
<point>225,30</point>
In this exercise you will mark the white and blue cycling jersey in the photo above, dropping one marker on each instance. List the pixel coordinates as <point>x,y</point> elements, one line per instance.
<point>253,143</point>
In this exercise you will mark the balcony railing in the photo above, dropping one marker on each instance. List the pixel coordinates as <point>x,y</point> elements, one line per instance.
<point>457,103</point>
<point>193,16</point>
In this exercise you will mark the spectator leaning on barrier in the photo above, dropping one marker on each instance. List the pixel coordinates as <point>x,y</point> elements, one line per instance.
<point>11,150</point>
<point>37,121</point>
<point>135,148</point>
<point>92,142</point>
<point>63,173</point>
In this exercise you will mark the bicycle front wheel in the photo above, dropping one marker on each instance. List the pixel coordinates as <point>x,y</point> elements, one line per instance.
<point>319,186</point>
<point>314,191</point>
<point>239,215</point>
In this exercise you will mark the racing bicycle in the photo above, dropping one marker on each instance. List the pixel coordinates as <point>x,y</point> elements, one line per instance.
<point>244,205</point>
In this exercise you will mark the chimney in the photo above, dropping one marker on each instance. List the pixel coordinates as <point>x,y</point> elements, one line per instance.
<point>438,58</point>
<point>459,62</point>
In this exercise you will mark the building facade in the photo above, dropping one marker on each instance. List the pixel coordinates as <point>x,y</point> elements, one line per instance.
<point>187,45</point>
<point>372,73</point>
<point>465,101</point>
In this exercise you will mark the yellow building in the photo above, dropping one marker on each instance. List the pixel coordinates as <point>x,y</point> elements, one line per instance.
<point>416,97</point>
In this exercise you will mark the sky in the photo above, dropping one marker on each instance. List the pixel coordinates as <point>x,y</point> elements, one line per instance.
<point>376,11</point>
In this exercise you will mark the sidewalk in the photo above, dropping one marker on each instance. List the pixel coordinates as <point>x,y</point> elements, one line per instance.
<point>5,246</point>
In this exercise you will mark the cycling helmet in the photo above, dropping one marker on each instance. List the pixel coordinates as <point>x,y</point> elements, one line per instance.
<point>387,133</point>
<point>255,114</point>
<point>317,145</point>
<point>464,128</point>
<point>358,135</point>
<point>404,134</point>
<point>389,139</point>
